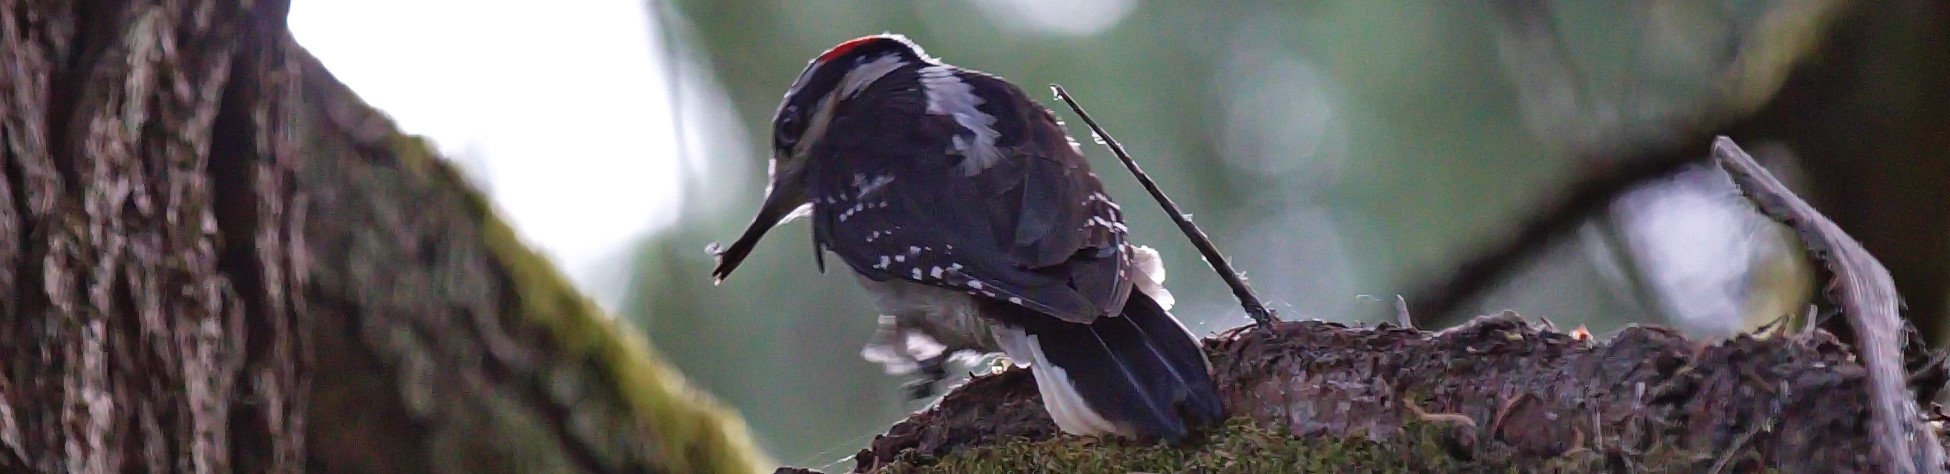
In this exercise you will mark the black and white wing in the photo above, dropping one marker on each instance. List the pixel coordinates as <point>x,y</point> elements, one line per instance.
<point>930,187</point>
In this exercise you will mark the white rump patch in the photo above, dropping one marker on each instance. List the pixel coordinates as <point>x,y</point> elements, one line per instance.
<point>1150,277</point>
<point>948,95</point>
<point>1150,280</point>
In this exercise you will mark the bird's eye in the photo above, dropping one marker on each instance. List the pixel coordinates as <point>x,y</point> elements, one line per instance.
<point>787,129</point>
<point>788,117</point>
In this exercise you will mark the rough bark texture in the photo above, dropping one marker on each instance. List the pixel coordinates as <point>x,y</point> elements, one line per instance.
<point>1494,395</point>
<point>215,258</point>
<point>151,285</point>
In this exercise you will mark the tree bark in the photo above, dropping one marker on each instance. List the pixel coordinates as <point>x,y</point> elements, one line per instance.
<point>215,258</point>
<point>1496,395</point>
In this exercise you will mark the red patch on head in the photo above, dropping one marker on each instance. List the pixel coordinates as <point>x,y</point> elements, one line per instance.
<point>849,45</point>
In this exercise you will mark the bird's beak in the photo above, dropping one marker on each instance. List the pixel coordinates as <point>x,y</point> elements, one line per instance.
<point>785,201</point>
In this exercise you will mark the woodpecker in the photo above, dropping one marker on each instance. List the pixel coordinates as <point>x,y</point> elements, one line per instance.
<point>970,215</point>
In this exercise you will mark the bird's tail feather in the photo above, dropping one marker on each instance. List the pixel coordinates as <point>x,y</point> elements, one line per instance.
<point>1140,374</point>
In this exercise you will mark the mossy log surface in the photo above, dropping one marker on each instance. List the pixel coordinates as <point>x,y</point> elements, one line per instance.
<point>215,258</point>
<point>479,356</point>
<point>1498,394</point>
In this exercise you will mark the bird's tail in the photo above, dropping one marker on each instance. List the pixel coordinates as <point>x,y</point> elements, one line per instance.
<point>1140,374</point>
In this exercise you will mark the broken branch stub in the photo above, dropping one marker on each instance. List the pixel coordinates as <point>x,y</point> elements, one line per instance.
<point>1864,291</point>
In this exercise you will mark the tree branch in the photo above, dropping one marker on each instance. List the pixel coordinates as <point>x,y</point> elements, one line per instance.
<point>1312,396</point>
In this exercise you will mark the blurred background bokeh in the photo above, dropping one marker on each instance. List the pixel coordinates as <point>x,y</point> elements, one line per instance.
<point>1343,151</point>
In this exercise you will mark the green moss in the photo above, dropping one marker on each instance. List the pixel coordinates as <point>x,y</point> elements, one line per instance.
<point>1238,447</point>
<point>693,432</point>
<point>1242,447</point>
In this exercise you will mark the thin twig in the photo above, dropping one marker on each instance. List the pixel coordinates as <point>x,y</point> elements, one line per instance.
<point>1258,311</point>
<point>1402,315</point>
<point>1862,288</point>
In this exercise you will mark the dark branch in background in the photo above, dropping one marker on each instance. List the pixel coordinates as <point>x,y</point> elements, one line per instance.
<point>1258,311</point>
<point>1864,291</point>
<point>1831,112</point>
<point>1436,303</point>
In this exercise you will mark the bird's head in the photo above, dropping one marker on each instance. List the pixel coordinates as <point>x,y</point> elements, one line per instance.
<point>838,75</point>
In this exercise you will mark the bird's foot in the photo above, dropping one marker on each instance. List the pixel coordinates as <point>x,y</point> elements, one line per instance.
<point>933,370</point>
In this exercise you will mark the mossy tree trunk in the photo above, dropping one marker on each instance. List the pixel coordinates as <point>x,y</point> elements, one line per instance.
<point>215,258</point>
